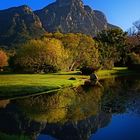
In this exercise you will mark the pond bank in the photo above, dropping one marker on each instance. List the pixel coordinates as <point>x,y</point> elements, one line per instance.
<point>21,85</point>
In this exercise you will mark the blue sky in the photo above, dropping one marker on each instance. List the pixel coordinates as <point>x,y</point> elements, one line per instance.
<point>119,12</point>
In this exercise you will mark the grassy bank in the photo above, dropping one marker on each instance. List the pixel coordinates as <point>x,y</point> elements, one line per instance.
<point>16,85</point>
<point>25,84</point>
<point>117,71</point>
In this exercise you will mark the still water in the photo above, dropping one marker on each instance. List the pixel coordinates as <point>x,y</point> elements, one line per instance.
<point>109,110</point>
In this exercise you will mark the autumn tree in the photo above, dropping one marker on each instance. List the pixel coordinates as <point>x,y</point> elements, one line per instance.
<point>40,56</point>
<point>3,60</point>
<point>82,50</point>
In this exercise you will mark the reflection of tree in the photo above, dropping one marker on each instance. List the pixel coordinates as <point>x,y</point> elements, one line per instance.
<point>4,103</point>
<point>117,92</point>
<point>68,104</point>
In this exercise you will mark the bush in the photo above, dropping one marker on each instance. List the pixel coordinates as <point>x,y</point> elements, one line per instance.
<point>39,56</point>
<point>87,70</point>
<point>50,69</point>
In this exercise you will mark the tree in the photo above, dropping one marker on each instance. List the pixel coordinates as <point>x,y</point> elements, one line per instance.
<point>82,50</point>
<point>3,60</point>
<point>135,58</point>
<point>111,47</point>
<point>39,56</point>
<point>136,25</point>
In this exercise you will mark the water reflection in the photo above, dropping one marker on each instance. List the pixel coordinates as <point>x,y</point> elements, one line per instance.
<point>73,113</point>
<point>4,103</point>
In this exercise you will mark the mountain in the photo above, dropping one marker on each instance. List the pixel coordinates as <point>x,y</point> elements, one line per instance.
<point>18,24</point>
<point>72,16</point>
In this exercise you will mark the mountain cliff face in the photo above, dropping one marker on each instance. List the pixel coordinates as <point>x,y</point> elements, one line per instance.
<point>18,24</point>
<point>72,16</point>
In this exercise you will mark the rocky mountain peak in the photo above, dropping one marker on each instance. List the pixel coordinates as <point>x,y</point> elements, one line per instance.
<point>68,2</point>
<point>72,16</point>
<point>25,8</point>
<point>19,24</point>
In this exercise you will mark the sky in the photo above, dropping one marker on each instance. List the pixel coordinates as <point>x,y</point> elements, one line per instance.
<point>118,12</point>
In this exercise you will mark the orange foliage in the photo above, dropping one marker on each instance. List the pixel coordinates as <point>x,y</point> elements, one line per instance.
<point>3,59</point>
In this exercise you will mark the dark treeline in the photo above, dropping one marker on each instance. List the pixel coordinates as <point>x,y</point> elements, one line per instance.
<point>66,52</point>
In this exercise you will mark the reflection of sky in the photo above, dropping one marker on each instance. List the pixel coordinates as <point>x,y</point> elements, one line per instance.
<point>45,137</point>
<point>122,127</point>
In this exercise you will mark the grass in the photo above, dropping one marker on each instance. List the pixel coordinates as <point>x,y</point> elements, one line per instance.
<point>17,85</point>
<point>117,71</point>
<point>26,84</point>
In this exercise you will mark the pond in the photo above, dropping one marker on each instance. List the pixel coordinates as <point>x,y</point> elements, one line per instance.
<point>109,110</point>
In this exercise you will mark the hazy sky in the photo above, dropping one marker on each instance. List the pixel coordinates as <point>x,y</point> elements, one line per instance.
<point>119,12</point>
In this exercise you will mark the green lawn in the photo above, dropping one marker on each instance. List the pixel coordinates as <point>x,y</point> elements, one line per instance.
<point>16,85</point>
<point>26,84</point>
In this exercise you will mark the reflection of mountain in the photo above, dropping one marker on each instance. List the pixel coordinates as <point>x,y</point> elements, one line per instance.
<point>80,130</point>
<point>72,113</point>
<point>14,121</point>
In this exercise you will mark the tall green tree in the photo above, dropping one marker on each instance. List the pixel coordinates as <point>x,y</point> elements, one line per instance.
<point>112,47</point>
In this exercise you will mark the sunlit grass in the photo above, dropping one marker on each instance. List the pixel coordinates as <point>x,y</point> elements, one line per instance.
<point>26,84</point>
<point>12,85</point>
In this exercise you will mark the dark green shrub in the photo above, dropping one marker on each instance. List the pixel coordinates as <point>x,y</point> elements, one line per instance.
<point>50,69</point>
<point>87,70</point>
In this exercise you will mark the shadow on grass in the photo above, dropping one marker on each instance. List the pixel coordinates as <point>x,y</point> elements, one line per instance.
<point>125,72</point>
<point>6,73</point>
<point>62,73</point>
<point>68,73</point>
